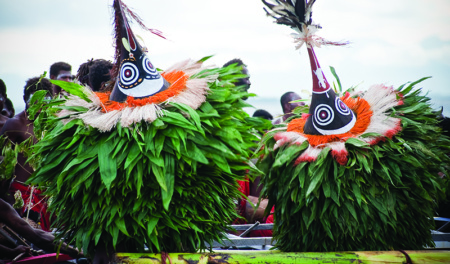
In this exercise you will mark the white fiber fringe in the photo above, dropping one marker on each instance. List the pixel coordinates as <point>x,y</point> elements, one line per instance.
<point>381,99</point>
<point>194,95</point>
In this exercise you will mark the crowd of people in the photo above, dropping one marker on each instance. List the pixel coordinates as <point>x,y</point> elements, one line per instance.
<point>31,220</point>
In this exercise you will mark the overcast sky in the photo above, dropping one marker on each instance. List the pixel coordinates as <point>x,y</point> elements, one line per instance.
<point>392,42</point>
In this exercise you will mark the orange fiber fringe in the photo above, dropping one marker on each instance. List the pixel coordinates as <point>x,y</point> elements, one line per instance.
<point>177,80</point>
<point>360,107</point>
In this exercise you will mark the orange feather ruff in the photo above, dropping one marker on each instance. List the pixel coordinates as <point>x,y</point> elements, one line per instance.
<point>177,80</point>
<point>361,109</point>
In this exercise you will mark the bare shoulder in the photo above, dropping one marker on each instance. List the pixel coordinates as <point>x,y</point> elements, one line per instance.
<point>13,126</point>
<point>6,210</point>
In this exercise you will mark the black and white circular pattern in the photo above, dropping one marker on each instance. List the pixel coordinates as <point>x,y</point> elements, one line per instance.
<point>341,107</point>
<point>323,114</point>
<point>148,66</point>
<point>129,74</point>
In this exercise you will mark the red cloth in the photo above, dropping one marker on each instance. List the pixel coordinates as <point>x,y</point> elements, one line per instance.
<point>244,188</point>
<point>264,233</point>
<point>38,202</point>
<point>43,259</point>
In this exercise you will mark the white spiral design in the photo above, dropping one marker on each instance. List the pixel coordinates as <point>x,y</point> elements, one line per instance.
<point>341,107</point>
<point>323,114</point>
<point>129,74</point>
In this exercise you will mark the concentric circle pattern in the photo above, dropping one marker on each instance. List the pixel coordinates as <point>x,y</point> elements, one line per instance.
<point>129,74</point>
<point>323,115</point>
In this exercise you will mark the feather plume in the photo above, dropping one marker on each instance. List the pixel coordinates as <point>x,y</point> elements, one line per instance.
<point>297,15</point>
<point>136,18</point>
<point>122,11</point>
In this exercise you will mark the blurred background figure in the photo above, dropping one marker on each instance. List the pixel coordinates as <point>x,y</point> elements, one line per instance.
<point>287,105</point>
<point>61,71</point>
<point>8,109</point>
<point>3,98</point>
<point>263,114</point>
<point>19,129</point>
<point>96,74</point>
<point>83,73</point>
<point>100,74</point>
<point>244,83</point>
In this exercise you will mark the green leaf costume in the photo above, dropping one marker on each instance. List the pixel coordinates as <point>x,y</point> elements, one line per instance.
<point>154,173</point>
<point>371,185</point>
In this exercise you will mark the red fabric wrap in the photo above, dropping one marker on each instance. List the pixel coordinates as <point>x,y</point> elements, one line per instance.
<point>38,202</point>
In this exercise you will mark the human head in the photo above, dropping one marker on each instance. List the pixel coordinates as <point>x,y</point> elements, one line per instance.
<point>263,114</point>
<point>83,72</point>
<point>99,73</point>
<point>244,82</point>
<point>32,85</point>
<point>286,104</point>
<point>2,94</point>
<point>444,123</point>
<point>60,71</point>
<point>8,108</point>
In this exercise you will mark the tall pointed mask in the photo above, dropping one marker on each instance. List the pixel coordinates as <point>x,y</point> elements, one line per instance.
<point>136,75</point>
<point>328,114</point>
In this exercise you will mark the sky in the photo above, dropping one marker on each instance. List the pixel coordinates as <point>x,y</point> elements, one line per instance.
<point>391,42</point>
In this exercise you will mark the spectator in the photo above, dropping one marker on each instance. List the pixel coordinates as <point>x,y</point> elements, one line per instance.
<point>3,118</point>
<point>443,209</point>
<point>83,73</point>
<point>287,105</point>
<point>41,239</point>
<point>17,130</point>
<point>99,74</point>
<point>263,114</point>
<point>244,83</point>
<point>8,109</point>
<point>60,71</point>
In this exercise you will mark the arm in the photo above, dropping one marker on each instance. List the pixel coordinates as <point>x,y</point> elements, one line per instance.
<point>253,215</point>
<point>14,252</point>
<point>42,239</point>
<point>8,129</point>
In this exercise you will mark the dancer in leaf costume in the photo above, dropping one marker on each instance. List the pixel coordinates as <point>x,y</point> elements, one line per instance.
<point>357,171</point>
<point>154,163</point>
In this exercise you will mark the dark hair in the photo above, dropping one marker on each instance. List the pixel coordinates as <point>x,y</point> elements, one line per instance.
<point>263,114</point>
<point>33,85</point>
<point>99,72</point>
<point>234,61</point>
<point>9,105</point>
<point>2,88</point>
<point>83,72</point>
<point>59,66</point>
<point>445,125</point>
<point>286,98</point>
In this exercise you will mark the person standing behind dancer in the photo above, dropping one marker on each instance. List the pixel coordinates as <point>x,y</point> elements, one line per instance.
<point>17,130</point>
<point>41,239</point>
<point>83,72</point>
<point>96,74</point>
<point>100,74</point>
<point>243,82</point>
<point>287,106</point>
<point>60,71</point>
<point>263,114</point>
<point>8,109</point>
<point>3,97</point>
